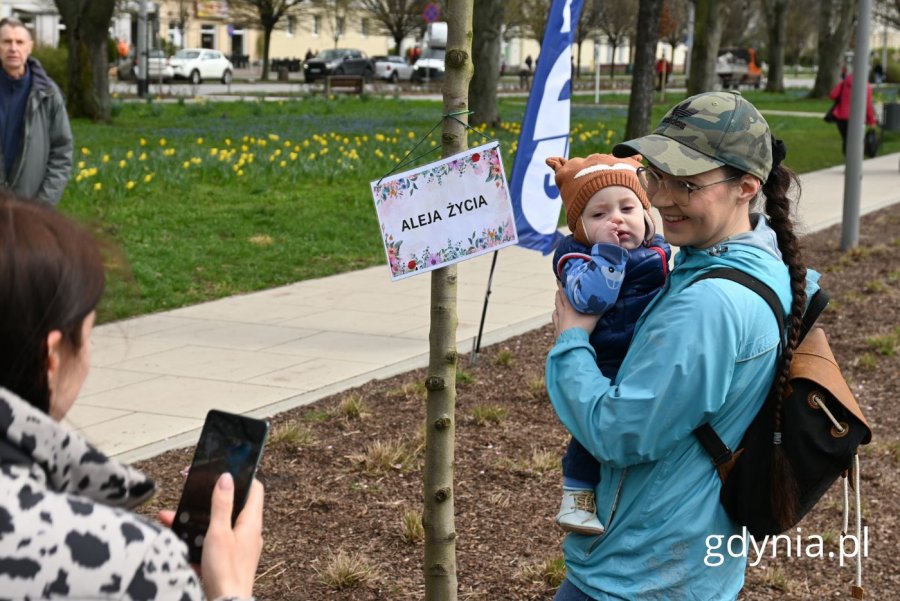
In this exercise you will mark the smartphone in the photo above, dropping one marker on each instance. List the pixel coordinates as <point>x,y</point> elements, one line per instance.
<point>228,443</point>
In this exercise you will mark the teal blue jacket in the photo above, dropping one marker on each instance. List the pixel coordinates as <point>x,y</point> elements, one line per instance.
<point>701,353</point>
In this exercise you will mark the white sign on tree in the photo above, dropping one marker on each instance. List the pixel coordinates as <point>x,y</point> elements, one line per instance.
<point>445,212</point>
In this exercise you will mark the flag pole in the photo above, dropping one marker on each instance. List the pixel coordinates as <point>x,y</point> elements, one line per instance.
<point>476,344</point>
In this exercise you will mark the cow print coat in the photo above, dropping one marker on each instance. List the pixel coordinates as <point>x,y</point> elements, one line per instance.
<point>65,528</point>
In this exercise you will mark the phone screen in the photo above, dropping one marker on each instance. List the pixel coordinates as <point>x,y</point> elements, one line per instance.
<point>228,443</point>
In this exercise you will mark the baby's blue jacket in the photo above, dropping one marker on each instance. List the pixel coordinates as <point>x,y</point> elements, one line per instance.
<point>617,283</point>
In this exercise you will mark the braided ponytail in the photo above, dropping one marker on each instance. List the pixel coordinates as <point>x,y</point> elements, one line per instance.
<point>778,208</point>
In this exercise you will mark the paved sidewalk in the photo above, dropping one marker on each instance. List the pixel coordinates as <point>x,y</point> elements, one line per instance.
<point>153,378</point>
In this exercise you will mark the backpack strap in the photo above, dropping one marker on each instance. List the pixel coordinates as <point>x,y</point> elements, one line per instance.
<point>814,308</point>
<point>722,456</point>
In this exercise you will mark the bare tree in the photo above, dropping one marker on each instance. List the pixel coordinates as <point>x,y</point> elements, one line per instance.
<point>582,32</point>
<point>87,29</point>
<point>336,12</point>
<point>617,20</point>
<point>707,32</point>
<point>744,25</point>
<point>266,14</point>
<point>836,21</point>
<point>528,18</point>
<point>775,16</point>
<point>800,36</point>
<point>673,23</point>
<point>183,11</point>
<point>887,11</point>
<point>398,18</point>
<point>640,103</point>
<point>487,19</point>
<point>440,433</point>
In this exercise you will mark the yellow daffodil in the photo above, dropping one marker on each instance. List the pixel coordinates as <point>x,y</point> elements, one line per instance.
<point>123,163</point>
<point>98,186</point>
<point>81,164</point>
<point>162,141</point>
<point>129,154</point>
<point>105,158</point>
<point>85,151</point>
<point>129,185</point>
<point>199,141</point>
<point>282,164</point>
<point>143,142</point>
<point>148,178</point>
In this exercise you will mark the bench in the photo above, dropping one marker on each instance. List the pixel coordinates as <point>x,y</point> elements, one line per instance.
<point>352,84</point>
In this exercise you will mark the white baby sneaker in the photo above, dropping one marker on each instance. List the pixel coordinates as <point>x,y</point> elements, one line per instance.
<point>578,512</point>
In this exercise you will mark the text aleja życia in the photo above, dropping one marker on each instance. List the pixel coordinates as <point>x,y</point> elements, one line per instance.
<point>453,209</point>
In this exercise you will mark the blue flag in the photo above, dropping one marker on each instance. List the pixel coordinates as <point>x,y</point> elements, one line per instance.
<point>545,132</point>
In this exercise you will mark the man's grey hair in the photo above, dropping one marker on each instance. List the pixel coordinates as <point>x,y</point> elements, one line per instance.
<point>13,22</point>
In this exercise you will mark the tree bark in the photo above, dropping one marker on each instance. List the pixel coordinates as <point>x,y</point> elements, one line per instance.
<point>87,27</point>
<point>640,104</point>
<point>267,42</point>
<point>775,17</point>
<point>440,432</point>
<point>836,21</point>
<point>487,20</point>
<point>705,50</point>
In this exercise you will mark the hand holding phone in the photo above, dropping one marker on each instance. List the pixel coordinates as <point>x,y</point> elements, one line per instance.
<point>228,443</point>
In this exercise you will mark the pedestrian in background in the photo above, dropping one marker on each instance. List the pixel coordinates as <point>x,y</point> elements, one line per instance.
<point>841,94</point>
<point>35,136</point>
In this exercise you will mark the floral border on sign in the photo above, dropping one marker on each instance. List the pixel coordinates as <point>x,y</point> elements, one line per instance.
<point>405,187</point>
<point>428,258</point>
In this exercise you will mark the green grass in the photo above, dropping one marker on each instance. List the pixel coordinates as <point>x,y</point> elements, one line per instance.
<point>199,201</point>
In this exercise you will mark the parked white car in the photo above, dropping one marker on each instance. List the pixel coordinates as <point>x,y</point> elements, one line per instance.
<point>392,68</point>
<point>197,64</point>
<point>157,65</point>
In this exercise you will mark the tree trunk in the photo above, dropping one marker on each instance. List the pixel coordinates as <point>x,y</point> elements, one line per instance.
<point>835,28</point>
<point>440,431</point>
<point>705,50</point>
<point>613,45</point>
<point>87,27</point>
<point>487,19</point>
<point>267,42</point>
<point>777,23</point>
<point>640,104</point>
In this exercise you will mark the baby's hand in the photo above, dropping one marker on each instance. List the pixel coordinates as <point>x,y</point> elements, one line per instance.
<point>607,234</point>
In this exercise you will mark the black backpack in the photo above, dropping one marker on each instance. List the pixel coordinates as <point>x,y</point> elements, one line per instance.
<point>822,427</point>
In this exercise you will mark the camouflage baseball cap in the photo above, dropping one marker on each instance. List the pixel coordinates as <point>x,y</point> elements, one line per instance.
<point>704,132</point>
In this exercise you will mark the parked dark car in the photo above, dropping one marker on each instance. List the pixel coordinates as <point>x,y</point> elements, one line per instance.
<point>338,61</point>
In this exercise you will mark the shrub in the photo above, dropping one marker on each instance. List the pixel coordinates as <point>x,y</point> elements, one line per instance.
<point>56,63</point>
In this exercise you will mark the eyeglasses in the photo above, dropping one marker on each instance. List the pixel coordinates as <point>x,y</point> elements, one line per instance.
<point>680,190</point>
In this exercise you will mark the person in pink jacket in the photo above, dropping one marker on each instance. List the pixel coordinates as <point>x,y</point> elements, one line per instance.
<point>841,94</point>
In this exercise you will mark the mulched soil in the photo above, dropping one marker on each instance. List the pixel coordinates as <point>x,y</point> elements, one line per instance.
<point>325,506</point>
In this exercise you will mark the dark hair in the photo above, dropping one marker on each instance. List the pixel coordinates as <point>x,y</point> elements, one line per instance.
<point>778,200</point>
<point>51,278</point>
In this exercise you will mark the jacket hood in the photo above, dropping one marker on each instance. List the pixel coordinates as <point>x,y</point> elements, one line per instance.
<point>65,460</point>
<point>39,78</point>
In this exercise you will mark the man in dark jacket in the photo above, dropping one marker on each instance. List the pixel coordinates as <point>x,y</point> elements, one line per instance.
<point>35,136</point>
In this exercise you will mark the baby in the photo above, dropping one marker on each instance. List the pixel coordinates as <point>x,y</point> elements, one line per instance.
<point>611,265</point>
